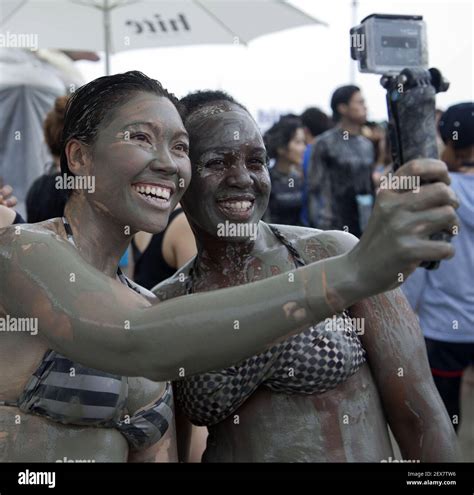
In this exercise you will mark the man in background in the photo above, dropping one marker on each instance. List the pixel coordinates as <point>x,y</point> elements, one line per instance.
<point>315,122</point>
<point>341,191</point>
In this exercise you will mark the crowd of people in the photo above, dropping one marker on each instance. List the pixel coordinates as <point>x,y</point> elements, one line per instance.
<point>255,373</point>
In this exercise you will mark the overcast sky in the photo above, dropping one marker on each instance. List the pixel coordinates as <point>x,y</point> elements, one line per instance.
<point>297,68</point>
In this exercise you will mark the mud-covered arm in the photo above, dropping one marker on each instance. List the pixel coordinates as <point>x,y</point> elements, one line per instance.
<point>96,321</point>
<point>396,353</point>
<point>100,323</point>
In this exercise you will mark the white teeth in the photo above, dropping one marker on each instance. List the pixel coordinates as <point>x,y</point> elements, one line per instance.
<point>157,192</point>
<point>164,193</point>
<point>237,205</point>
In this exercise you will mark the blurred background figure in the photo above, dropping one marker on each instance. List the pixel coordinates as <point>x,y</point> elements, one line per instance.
<point>444,298</point>
<point>315,122</point>
<point>44,200</point>
<point>30,82</point>
<point>376,134</point>
<point>341,190</point>
<point>285,143</point>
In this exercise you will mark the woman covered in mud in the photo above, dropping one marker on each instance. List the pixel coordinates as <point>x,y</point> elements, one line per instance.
<point>124,139</point>
<point>328,392</point>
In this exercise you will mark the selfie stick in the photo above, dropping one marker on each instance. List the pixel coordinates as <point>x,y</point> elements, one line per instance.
<point>412,128</point>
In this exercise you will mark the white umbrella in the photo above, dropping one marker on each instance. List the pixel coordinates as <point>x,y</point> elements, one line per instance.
<point>116,25</point>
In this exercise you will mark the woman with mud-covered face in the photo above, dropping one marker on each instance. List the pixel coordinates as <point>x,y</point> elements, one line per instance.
<point>327,393</point>
<point>88,327</point>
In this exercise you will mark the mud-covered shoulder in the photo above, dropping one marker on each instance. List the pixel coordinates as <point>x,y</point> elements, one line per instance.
<point>26,238</point>
<point>15,231</point>
<point>175,285</point>
<point>75,306</point>
<point>315,244</point>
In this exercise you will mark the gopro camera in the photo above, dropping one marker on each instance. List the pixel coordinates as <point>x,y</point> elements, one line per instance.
<point>387,44</point>
<point>396,47</point>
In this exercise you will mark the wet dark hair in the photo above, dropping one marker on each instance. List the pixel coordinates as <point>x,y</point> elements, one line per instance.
<point>281,133</point>
<point>90,104</point>
<point>316,121</point>
<point>199,99</point>
<point>342,95</point>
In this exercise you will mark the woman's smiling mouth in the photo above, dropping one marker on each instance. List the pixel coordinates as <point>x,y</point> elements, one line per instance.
<point>157,195</point>
<point>237,207</point>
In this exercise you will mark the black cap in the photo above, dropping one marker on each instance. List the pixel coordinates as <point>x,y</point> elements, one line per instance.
<point>457,125</point>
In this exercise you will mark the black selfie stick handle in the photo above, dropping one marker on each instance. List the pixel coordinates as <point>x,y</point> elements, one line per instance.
<point>412,125</point>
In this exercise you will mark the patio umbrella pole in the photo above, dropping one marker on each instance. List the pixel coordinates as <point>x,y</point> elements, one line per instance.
<point>106,15</point>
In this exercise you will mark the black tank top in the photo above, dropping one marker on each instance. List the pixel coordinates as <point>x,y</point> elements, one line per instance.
<point>150,266</point>
<point>44,200</point>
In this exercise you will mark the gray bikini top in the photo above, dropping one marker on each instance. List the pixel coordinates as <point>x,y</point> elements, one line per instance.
<point>314,361</point>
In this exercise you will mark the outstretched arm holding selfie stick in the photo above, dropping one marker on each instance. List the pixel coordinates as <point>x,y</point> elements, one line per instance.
<point>95,321</point>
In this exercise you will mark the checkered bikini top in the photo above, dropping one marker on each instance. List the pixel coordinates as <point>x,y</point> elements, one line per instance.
<point>67,392</point>
<point>314,361</point>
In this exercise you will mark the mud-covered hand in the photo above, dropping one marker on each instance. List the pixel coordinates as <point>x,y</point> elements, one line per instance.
<point>397,238</point>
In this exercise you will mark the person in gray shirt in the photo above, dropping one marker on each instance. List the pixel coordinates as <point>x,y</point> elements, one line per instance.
<point>341,191</point>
